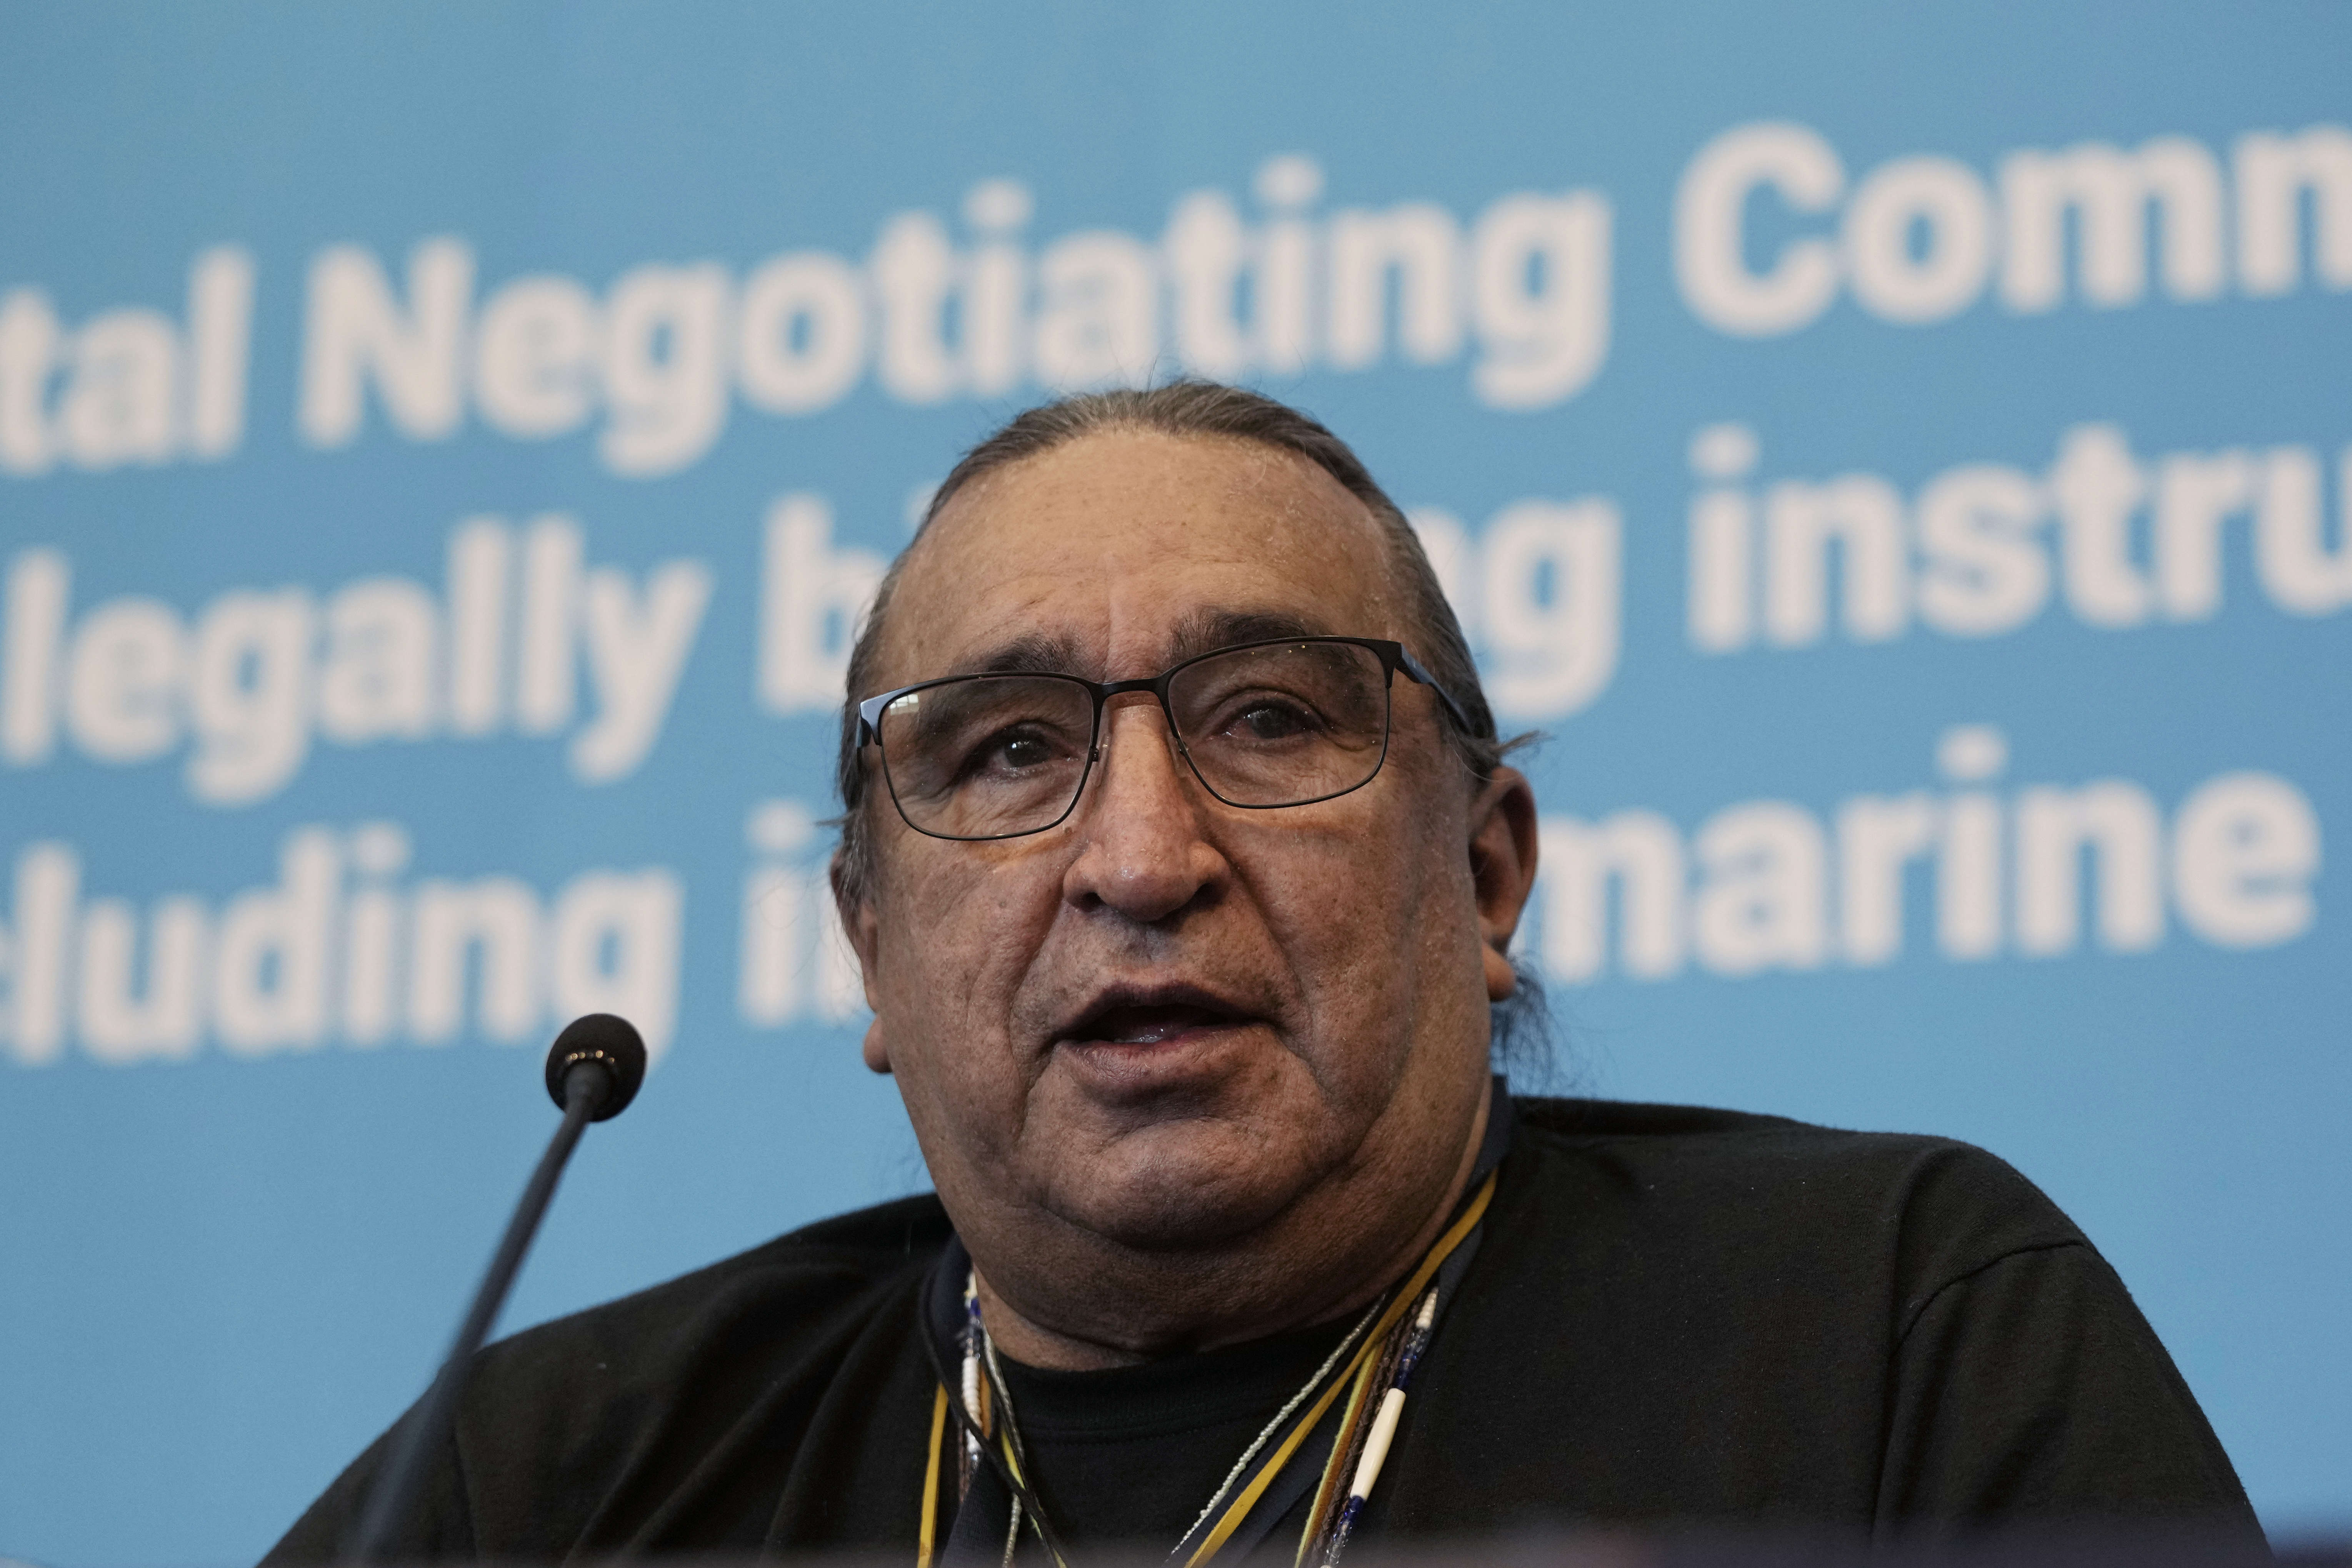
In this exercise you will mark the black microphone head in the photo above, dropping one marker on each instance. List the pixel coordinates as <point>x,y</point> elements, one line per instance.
<point>609,1041</point>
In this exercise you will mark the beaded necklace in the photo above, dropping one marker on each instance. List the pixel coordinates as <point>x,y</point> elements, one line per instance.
<point>1372,1365</point>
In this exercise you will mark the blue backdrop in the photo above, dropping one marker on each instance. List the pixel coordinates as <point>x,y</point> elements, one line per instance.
<point>1899,454</point>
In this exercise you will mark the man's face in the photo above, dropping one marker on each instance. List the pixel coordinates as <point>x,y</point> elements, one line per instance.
<point>1168,1021</point>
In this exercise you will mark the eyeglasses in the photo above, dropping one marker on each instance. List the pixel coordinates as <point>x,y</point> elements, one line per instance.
<point>1261,724</point>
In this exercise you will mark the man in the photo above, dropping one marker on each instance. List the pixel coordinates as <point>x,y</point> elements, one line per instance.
<point>1183,865</point>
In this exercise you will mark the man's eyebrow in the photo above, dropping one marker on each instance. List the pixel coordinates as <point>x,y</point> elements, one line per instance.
<point>1205,631</point>
<point>1031,653</point>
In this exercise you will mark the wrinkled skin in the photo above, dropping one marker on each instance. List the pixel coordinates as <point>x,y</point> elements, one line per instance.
<point>1184,1074</point>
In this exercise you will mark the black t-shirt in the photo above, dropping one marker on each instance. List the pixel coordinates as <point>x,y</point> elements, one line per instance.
<point>1132,1455</point>
<point>1673,1315</point>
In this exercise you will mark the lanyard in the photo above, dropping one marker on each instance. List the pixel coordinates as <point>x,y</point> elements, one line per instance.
<point>1354,1375</point>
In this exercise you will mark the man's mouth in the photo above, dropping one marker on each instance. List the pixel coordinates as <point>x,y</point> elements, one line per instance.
<point>1145,1019</point>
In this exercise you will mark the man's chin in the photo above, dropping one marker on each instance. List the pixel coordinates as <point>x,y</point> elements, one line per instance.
<point>1177,1200</point>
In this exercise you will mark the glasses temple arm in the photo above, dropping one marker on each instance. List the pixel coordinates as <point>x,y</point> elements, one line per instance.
<point>1413,667</point>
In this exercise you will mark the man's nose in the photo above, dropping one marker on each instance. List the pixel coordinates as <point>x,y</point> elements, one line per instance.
<point>1142,850</point>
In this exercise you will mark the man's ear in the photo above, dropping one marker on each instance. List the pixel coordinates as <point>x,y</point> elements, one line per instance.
<point>1502,869</point>
<point>855,906</point>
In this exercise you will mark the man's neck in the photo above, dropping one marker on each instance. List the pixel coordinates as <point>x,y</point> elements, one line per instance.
<point>1258,1306</point>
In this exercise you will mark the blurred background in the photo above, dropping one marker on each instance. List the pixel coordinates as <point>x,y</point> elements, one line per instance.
<point>1897,454</point>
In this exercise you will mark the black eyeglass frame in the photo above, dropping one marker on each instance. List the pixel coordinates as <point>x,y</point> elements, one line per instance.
<point>1394,656</point>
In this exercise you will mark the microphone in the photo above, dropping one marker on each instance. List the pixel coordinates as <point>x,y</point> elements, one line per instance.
<point>594,1071</point>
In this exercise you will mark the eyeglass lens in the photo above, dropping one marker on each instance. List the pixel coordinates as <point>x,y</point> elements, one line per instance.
<point>991,756</point>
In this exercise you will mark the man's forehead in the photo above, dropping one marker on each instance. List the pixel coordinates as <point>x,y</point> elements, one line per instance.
<point>1127,545</point>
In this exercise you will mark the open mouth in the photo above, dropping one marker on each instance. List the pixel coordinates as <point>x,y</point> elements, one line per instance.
<point>1136,1020</point>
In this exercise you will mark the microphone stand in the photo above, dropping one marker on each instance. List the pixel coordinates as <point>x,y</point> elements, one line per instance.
<point>590,1086</point>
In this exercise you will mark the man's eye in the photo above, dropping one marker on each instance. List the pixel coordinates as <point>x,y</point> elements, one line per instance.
<point>1008,751</point>
<point>1272,722</point>
<point>1023,751</point>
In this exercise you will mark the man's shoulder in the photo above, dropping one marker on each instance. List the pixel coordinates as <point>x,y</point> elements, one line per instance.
<point>838,1268</point>
<point>1570,1117</point>
<point>1749,1145</point>
<point>1937,1207</point>
<point>649,1386</point>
